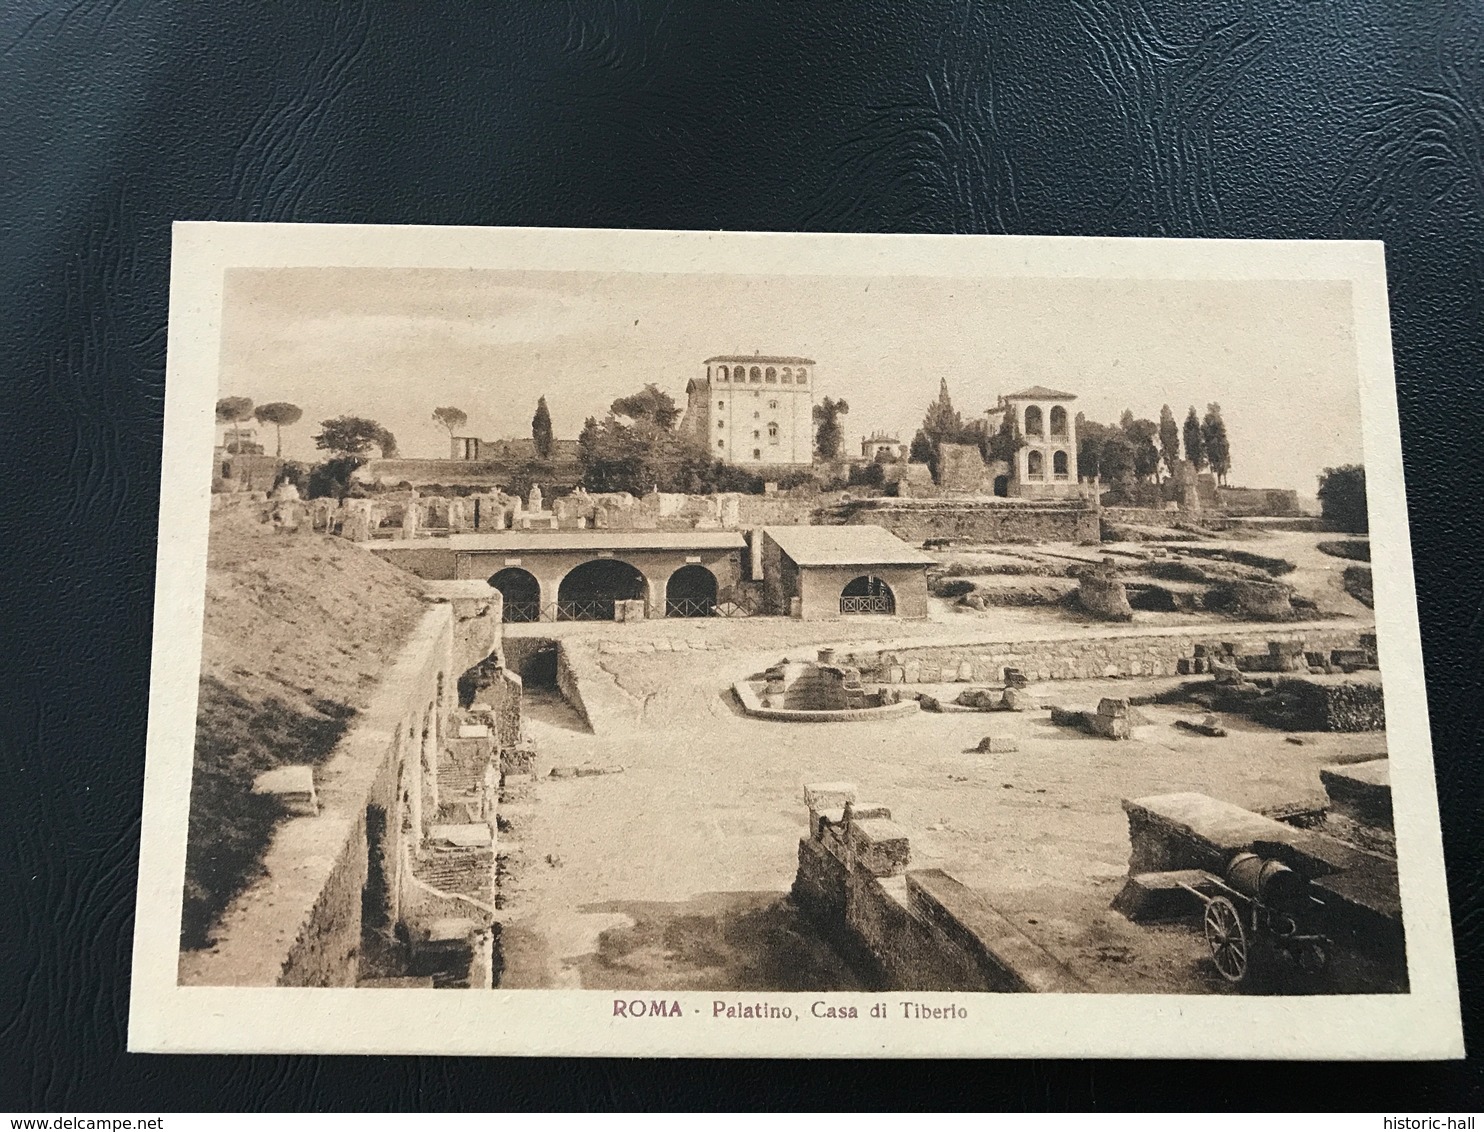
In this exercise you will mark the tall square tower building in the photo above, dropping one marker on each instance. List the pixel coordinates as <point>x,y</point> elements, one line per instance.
<point>754,410</point>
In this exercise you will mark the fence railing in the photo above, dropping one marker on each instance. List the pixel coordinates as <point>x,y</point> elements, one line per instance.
<point>882,603</point>
<point>603,609</point>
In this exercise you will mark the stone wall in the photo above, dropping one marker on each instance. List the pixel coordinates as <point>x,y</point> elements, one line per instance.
<point>301,923</point>
<point>978,521</point>
<point>568,684</point>
<point>1258,501</point>
<point>466,473</point>
<point>907,929</point>
<point>1115,653</point>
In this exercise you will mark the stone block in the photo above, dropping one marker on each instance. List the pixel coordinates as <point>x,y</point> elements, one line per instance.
<point>1162,896</point>
<point>823,796</point>
<point>965,671</point>
<point>1019,699</point>
<point>1209,726</point>
<point>880,846</point>
<point>1112,707</point>
<point>474,835</point>
<point>293,786</point>
<point>1360,790</point>
<point>997,745</point>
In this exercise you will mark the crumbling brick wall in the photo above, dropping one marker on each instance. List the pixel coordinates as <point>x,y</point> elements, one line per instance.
<point>985,521</point>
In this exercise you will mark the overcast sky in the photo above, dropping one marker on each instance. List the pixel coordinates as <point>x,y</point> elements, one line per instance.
<point>390,344</point>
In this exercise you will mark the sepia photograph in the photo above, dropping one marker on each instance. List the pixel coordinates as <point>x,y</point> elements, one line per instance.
<point>667,639</point>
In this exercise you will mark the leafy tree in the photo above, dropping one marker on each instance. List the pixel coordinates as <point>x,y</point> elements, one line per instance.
<point>1342,497</point>
<point>651,404</point>
<point>942,422</point>
<point>541,434</point>
<point>636,449</point>
<point>233,411</point>
<point>451,419</point>
<point>1218,447</point>
<point>1169,439</point>
<point>279,414</point>
<point>1141,435</point>
<point>921,449</point>
<point>829,432</point>
<point>1091,438</point>
<point>1004,442</point>
<point>355,436</point>
<point>1195,444</point>
<point>1126,421</point>
<point>1116,460</point>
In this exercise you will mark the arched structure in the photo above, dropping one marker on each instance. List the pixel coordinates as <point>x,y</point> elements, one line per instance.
<point>867,594</point>
<point>592,591</point>
<point>521,594</point>
<point>1058,421</point>
<point>1035,464</point>
<point>1033,425</point>
<point>691,592</point>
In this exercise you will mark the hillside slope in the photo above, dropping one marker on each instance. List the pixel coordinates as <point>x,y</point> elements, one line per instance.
<point>298,630</point>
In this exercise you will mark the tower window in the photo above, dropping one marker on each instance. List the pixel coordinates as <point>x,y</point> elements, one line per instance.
<point>721,424</point>
<point>787,376</point>
<point>755,374</point>
<point>756,434</point>
<point>721,443</point>
<point>721,373</point>
<point>801,375</point>
<point>772,404</point>
<point>772,376</point>
<point>757,453</point>
<point>773,432</point>
<point>721,404</point>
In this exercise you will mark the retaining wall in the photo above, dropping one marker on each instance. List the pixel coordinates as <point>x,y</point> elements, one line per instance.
<point>301,923</point>
<point>979,521</point>
<point>1085,658</point>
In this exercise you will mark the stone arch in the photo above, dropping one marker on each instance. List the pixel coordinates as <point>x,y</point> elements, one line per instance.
<point>520,592</point>
<point>1058,421</point>
<point>787,375</point>
<point>1034,425</point>
<point>691,592</point>
<point>1059,464</point>
<point>770,375</point>
<point>592,591</point>
<point>867,594</point>
<point>755,375</point>
<point>1035,464</point>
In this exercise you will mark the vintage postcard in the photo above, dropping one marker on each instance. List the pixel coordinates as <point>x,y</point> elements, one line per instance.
<point>738,644</point>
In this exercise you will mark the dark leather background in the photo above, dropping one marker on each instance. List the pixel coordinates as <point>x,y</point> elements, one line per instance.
<point>1262,118</point>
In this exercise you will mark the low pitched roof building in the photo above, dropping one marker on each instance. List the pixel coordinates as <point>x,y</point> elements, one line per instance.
<point>817,573</point>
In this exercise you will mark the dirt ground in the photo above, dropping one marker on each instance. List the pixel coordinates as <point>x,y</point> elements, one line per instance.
<point>674,873</point>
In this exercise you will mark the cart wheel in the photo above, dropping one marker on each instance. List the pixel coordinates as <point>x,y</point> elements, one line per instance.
<point>1226,939</point>
<point>1313,957</point>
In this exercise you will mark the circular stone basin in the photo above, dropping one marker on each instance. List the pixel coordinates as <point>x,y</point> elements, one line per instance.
<point>818,692</point>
